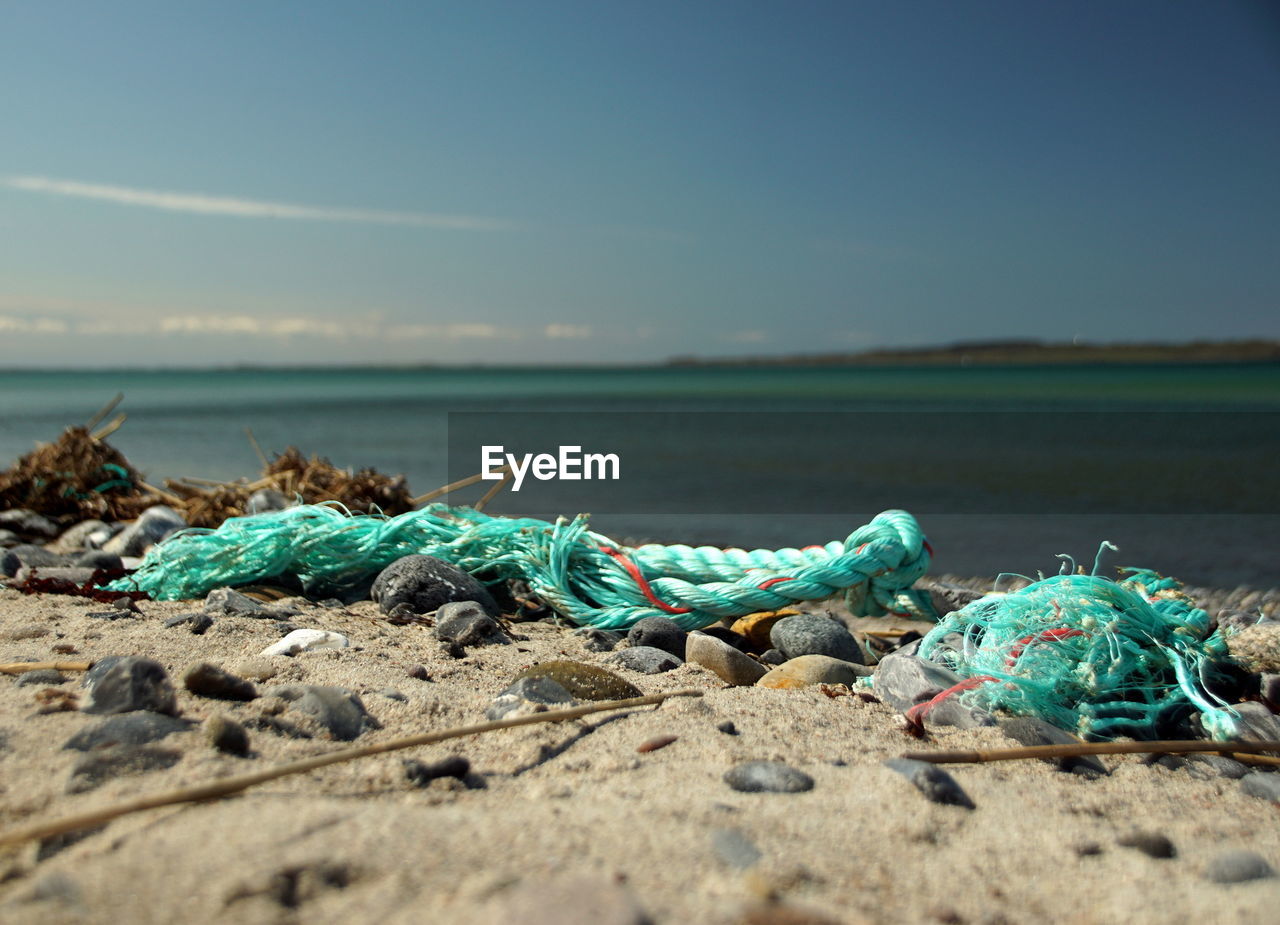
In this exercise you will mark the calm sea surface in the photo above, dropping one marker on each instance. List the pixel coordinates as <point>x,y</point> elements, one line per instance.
<point>1217,422</point>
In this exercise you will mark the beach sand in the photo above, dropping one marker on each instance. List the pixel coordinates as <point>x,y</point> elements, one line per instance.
<point>570,822</point>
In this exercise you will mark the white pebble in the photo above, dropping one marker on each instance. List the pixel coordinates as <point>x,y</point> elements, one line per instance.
<point>307,641</point>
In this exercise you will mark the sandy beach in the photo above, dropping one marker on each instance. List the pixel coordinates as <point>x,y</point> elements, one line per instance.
<point>573,822</point>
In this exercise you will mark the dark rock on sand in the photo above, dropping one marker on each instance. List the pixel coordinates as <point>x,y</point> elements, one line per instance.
<point>1262,785</point>
<point>1238,867</point>
<point>98,559</point>
<point>932,781</point>
<point>44,676</point>
<point>426,583</point>
<point>232,603</point>
<point>28,524</point>
<point>466,623</point>
<point>339,710</point>
<point>729,664</point>
<point>1152,844</point>
<point>23,556</point>
<point>206,680</point>
<point>815,634</point>
<point>102,764</point>
<point>528,695</point>
<point>658,633</point>
<point>1257,723</point>
<point>76,538</point>
<point>595,639</point>
<point>130,729</point>
<point>133,682</point>
<point>1032,730</point>
<point>583,682</point>
<point>422,773</point>
<point>767,777</point>
<point>646,659</point>
<point>227,735</point>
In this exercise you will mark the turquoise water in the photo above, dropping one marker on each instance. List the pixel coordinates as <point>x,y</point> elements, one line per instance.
<point>193,424</point>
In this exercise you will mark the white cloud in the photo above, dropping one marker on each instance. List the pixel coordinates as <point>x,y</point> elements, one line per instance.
<point>566,331</point>
<point>201,204</point>
<point>11,324</point>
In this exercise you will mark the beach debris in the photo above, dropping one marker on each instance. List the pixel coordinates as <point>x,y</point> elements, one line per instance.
<point>729,664</point>
<point>807,670</point>
<point>207,680</point>
<point>136,728</point>
<point>582,681</point>
<point>78,476</point>
<point>229,785</point>
<point>45,676</point>
<point>815,634</point>
<point>128,683</point>
<point>425,583</point>
<point>657,742</point>
<point>21,668</point>
<point>466,624</point>
<point>226,735</point>
<point>659,633</point>
<point>645,659</point>
<point>767,777</point>
<point>307,640</point>
<point>28,524</point>
<point>1238,867</point>
<point>933,782</point>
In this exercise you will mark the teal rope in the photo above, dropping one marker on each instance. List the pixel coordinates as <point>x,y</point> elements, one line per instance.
<point>583,575</point>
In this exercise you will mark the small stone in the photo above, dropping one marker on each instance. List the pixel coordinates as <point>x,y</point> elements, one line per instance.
<point>772,657</point>
<point>134,682</point>
<point>902,680</point>
<point>727,727</point>
<point>156,523</point>
<point>528,695</point>
<point>583,682</point>
<point>76,576</point>
<point>418,672</point>
<point>76,538</point>
<point>336,708</point>
<point>27,556</point>
<point>805,670</point>
<point>39,676</point>
<point>767,777</point>
<point>815,634</point>
<point>206,680</point>
<point>128,729</point>
<point>200,624</point>
<point>646,659</point>
<point>28,523</point>
<point>595,639</point>
<point>307,641</point>
<point>466,623</point>
<point>227,735</point>
<point>757,627</point>
<point>1221,765</point>
<point>425,583</point>
<point>932,781</point>
<point>9,538</point>
<point>98,559</point>
<point>102,764</point>
<point>179,620</point>
<point>234,604</point>
<point>658,633</point>
<point>1263,785</point>
<point>1152,844</point>
<point>1032,730</point>
<point>423,773</point>
<point>730,665</point>
<point>256,668</point>
<point>1256,723</point>
<point>1238,867</point>
<point>734,848</point>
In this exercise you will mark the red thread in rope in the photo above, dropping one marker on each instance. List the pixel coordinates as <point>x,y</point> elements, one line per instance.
<point>917,713</point>
<point>1061,632</point>
<point>634,571</point>
<point>773,581</point>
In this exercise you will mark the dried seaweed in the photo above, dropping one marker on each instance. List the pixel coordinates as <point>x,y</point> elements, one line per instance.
<point>34,584</point>
<point>77,477</point>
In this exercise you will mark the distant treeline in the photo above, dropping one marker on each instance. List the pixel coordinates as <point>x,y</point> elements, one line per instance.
<point>1018,353</point>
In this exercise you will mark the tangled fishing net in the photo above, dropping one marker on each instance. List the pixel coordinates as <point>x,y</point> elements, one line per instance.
<point>1101,658</point>
<point>585,576</point>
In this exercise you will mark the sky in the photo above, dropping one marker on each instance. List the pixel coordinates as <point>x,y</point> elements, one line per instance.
<point>615,182</point>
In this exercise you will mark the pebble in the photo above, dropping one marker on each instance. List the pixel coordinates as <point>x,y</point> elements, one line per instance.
<point>232,603</point>
<point>1261,784</point>
<point>466,623</point>
<point>1238,867</point>
<point>207,680</point>
<point>646,659</point>
<point>307,640</point>
<point>40,676</point>
<point>1152,844</point>
<point>772,657</point>
<point>28,523</point>
<point>133,682</point>
<point>418,673</point>
<point>155,523</point>
<point>77,576</point>
<point>17,558</point>
<point>658,633</point>
<point>76,538</point>
<point>805,670</point>
<point>767,777</point>
<point>528,695</point>
<point>903,680</point>
<point>932,781</point>
<point>756,627</point>
<point>256,668</point>
<point>734,848</point>
<point>583,682</point>
<point>98,559</point>
<point>815,634</point>
<point>102,764</point>
<point>423,773</point>
<point>200,623</point>
<point>129,729</point>
<point>730,665</point>
<point>1032,730</point>
<point>337,709</point>
<point>595,639</point>
<point>1257,723</point>
<point>392,694</point>
<point>226,735</point>
<point>1221,764</point>
<point>9,538</point>
<point>425,583</point>
<point>727,727</point>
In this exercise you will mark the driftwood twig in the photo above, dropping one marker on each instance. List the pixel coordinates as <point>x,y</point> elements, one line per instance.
<point>21,667</point>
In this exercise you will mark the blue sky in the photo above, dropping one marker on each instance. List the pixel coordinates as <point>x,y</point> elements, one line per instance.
<point>602,181</point>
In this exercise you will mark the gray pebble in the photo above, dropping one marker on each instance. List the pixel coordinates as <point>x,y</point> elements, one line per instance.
<point>133,682</point>
<point>734,848</point>
<point>932,781</point>
<point>200,624</point>
<point>155,523</point>
<point>206,680</point>
<point>1152,844</point>
<point>466,623</point>
<point>528,695</point>
<point>595,639</point>
<point>815,634</point>
<point>767,777</point>
<point>129,729</point>
<point>77,537</point>
<point>103,764</point>
<point>98,559</point>
<point>392,694</point>
<point>727,727</point>
<point>1261,784</point>
<point>28,523</point>
<point>1221,765</point>
<point>1238,867</point>
<point>773,657</point>
<point>1032,730</point>
<point>233,603</point>
<point>27,556</point>
<point>902,680</point>
<point>659,633</point>
<point>9,538</point>
<point>40,676</point>
<point>425,583</point>
<point>646,659</point>
<point>423,773</point>
<point>336,708</point>
<point>227,735</point>
<point>1256,723</point>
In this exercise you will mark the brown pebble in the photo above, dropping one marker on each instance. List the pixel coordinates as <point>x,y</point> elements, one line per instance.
<point>63,648</point>
<point>419,672</point>
<point>656,743</point>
